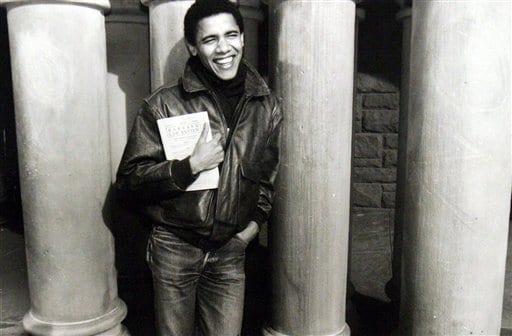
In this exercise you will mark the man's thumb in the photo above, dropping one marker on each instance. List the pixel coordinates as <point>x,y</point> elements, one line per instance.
<point>204,133</point>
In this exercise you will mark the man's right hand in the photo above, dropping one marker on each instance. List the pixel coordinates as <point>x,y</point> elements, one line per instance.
<point>206,154</point>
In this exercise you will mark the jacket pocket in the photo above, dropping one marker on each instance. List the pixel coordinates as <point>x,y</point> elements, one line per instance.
<point>248,190</point>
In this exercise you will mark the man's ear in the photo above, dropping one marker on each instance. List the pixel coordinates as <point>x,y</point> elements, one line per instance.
<point>242,38</point>
<point>191,49</point>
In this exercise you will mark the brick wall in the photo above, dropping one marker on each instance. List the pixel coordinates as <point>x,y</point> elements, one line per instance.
<point>375,144</point>
<point>374,160</point>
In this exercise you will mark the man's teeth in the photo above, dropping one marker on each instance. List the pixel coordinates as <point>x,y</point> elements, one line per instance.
<point>224,61</point>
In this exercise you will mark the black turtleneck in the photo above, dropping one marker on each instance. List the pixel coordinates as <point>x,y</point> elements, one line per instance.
<point>227,92</point>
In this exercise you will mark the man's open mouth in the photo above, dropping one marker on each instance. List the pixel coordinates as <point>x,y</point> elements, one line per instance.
<point>224,62</point>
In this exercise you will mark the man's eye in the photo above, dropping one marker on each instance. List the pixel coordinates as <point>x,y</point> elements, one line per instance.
<point>233,35</point>
<point>208,41</point>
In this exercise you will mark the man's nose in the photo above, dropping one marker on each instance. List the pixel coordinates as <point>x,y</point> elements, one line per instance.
<point>222,46</point>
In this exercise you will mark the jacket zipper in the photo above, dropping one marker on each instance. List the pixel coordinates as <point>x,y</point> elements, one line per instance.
<point>224,128</point>
<point>222,118</point>
<point>237,114</point>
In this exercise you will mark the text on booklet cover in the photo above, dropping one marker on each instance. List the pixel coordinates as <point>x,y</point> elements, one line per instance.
<point>179,136</point>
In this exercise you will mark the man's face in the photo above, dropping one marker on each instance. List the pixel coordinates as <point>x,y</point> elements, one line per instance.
<point>219,45</point>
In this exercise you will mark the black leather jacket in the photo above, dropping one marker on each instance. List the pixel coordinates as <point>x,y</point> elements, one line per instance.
<point>247,175</point>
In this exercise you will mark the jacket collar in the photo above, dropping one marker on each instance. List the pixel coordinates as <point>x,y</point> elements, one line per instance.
<point>254,83</point>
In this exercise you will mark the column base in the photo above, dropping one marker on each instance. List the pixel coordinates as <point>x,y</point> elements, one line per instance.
<point>118,330</point>
<point>268,331</point>
<point>105,325</point>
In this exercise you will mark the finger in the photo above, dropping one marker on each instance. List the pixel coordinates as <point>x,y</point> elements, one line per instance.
<point>218,150</point>
<point>221,155</point>
<point>216,138</point>
<point>204,133</point>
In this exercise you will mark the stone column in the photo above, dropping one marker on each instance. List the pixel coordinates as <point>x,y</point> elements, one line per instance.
<point>393,287</point>
<point>167,42</point>
<point>458,169</point>
<point>312,67</point>
<point>59,80</point>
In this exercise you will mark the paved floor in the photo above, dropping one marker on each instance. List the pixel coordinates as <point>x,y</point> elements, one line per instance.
<point>367,316</point>
<point>14,298</point>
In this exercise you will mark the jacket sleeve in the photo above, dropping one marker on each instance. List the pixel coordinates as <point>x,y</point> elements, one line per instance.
<point>269,169</point>
<point>144,173</point>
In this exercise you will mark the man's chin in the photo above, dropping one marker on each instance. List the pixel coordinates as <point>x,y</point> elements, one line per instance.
<point>226,75</point>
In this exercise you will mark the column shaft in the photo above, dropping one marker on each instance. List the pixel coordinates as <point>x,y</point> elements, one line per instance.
<point>167,42</point>
<point>313,68</point>
<point>59,80</point>
<point>458,168</point>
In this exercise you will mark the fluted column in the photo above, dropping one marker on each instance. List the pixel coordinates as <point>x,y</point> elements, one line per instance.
<point>312,69</point>
<point>59,80</point>
<point>458,168</point>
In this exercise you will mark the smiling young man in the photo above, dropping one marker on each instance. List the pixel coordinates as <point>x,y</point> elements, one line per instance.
<point>196,250</point>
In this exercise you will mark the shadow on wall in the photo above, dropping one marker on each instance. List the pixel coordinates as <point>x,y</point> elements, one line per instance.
<point>131,231</point>
<point>128,83</point>
<point>175,63</point>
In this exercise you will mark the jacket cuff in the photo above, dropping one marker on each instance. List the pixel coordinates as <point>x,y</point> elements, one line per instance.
<point>182,173</point>
<point>259,217</point>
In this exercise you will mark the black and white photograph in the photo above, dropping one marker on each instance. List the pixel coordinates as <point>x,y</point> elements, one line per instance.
<point>255,168</point>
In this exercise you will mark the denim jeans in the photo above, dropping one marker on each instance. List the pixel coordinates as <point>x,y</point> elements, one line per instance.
<point>196,292</point>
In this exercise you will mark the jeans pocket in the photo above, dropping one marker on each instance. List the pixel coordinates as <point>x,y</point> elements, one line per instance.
<point>240,241</point>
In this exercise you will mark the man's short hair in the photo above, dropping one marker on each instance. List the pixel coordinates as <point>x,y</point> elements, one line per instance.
<point>205,8</point>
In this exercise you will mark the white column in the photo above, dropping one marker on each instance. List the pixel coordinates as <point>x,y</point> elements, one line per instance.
<point>458,168</point>
<point>167,41</point>
<point>59,80</point>
<point>312,68</point>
